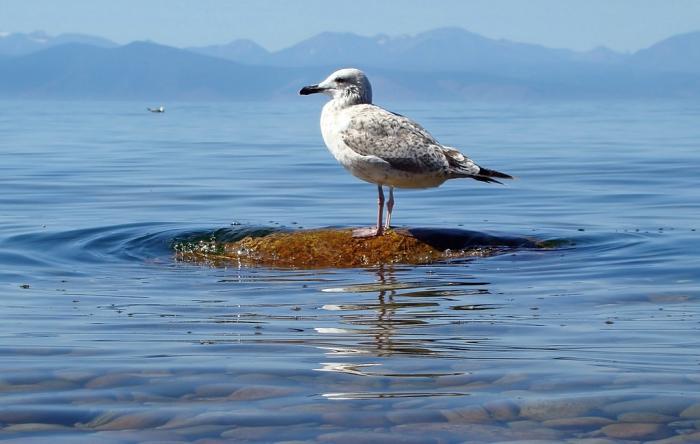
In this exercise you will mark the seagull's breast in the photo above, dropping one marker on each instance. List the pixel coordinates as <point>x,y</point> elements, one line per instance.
<point>334,120</point>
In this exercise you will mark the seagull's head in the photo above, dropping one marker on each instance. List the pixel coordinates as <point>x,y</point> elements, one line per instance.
<point>348,84</point>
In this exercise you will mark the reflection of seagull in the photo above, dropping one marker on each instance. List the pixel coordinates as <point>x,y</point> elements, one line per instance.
<point>384,148</point>
<point>160,109</point>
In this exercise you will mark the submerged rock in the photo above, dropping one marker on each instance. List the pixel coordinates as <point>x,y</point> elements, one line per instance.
<point>332,247</point>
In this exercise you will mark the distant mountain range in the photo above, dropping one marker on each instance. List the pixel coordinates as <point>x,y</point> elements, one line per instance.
<point>22,44</point>
<point>443,64</point>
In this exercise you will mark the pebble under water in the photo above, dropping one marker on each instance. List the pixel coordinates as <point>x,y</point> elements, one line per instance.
<point>107,336</point>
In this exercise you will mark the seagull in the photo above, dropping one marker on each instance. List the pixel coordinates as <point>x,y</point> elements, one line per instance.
<point>385,148</point>
<point>160,109</point>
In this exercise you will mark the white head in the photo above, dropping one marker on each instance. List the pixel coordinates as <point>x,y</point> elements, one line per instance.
<point>348,85</point>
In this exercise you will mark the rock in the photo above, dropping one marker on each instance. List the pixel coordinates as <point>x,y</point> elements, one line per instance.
<point>196,433</point>
<point>635,430</point>
<point>566,384</point>
<point>125,437</point>
<point>523,425</point>
<point>295,442</point>
<point>212,441</point>
<point>66,416</point>
<point>685,424</point>
<point>355,419</point>
<point>220,390</point>
<point>116,437</point>
<point>259,392</point>
<point>502,410</point>
<point>580,423</point>
<point>113,380</point>
<point>452,432</point>
<point>146,397</point>
<point>648,417</point>
<point>134,421</point>
<point>359,437</point>
<point>530,441</point>
<point>236,418</point>
<point>473,433</point>
<point>338,248</point>
<point>593,441</point>
<point>98,421</point>
<point>691,412</point>
<point>663,405</point>
<point>403,416</point>
<point>257,434</point>
<point>543,410</point>
<point>692,438</point>
<point>32,427</point>
<point>467,415</point>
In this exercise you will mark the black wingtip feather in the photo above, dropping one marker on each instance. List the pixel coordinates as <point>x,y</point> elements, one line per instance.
<point>486,173</point>
<point>486,179</point>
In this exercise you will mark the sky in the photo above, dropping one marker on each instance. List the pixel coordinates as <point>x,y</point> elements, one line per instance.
<point>623,25</point>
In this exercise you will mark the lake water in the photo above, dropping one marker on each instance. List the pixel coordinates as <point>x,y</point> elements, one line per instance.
<point>106,337</point>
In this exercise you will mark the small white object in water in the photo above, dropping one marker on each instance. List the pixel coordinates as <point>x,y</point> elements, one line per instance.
<point>160,109</point>
<point>385,148</point>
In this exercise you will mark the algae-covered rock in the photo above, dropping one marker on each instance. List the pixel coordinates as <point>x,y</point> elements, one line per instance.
<point>338,248</point>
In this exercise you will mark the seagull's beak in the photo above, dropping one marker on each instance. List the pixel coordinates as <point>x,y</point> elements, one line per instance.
<point>311,89</point>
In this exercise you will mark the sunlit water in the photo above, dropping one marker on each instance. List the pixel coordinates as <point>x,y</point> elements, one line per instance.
<point>106,337</point>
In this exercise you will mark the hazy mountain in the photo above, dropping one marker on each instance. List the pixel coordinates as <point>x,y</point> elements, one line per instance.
<point>241,50</point>
<point>138,70</point>
<point>444,64</point>
<point>331,49</point>
<point>20,44</point>
<point>445,49</point>
<point>680,53</point>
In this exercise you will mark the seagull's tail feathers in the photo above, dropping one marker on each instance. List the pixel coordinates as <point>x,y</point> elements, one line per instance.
<point>462,166</point>
<point>487,175</point>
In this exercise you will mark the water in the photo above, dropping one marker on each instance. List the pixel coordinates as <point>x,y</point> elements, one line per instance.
<point>106,336</point>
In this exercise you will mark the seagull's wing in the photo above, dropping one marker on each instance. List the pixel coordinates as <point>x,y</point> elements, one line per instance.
<point>404,144</point>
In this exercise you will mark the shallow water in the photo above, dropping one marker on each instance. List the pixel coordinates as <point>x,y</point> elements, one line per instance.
<point>106,336</point>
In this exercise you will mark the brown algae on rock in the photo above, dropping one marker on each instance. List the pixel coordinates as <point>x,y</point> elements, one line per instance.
<point>337,248</point>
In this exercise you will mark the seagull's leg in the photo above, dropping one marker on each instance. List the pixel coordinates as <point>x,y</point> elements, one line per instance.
<point>380,210</point>
<point>378,230</point>
<point>389,207</point>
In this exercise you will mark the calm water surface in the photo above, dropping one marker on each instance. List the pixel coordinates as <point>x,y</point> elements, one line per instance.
<point>106,337</point>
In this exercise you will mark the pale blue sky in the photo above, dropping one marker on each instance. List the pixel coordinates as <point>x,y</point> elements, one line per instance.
<point>624,25</point>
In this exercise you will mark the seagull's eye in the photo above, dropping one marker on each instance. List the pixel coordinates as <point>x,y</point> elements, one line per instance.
<point>339,80</point>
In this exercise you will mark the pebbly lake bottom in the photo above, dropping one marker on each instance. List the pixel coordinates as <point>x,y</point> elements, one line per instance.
<point>108,337</point>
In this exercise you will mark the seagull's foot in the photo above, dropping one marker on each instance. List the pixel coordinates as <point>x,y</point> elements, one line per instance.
<point>367,232</point>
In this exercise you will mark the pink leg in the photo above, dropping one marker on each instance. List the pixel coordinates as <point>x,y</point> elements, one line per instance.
<point>389,207</point>
<point>378,230</point>
<point>380,210</point>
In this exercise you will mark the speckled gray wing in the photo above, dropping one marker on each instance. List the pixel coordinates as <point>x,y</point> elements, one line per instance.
<point>404,144</point>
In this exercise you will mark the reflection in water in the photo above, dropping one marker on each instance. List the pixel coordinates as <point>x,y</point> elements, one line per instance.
<point>391,323</point>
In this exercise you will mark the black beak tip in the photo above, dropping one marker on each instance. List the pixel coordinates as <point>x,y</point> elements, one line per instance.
<point>305,91</point>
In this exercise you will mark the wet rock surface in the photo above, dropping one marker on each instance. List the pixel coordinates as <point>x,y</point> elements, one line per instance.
<point>634,430</point>
<point>336,247</point>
